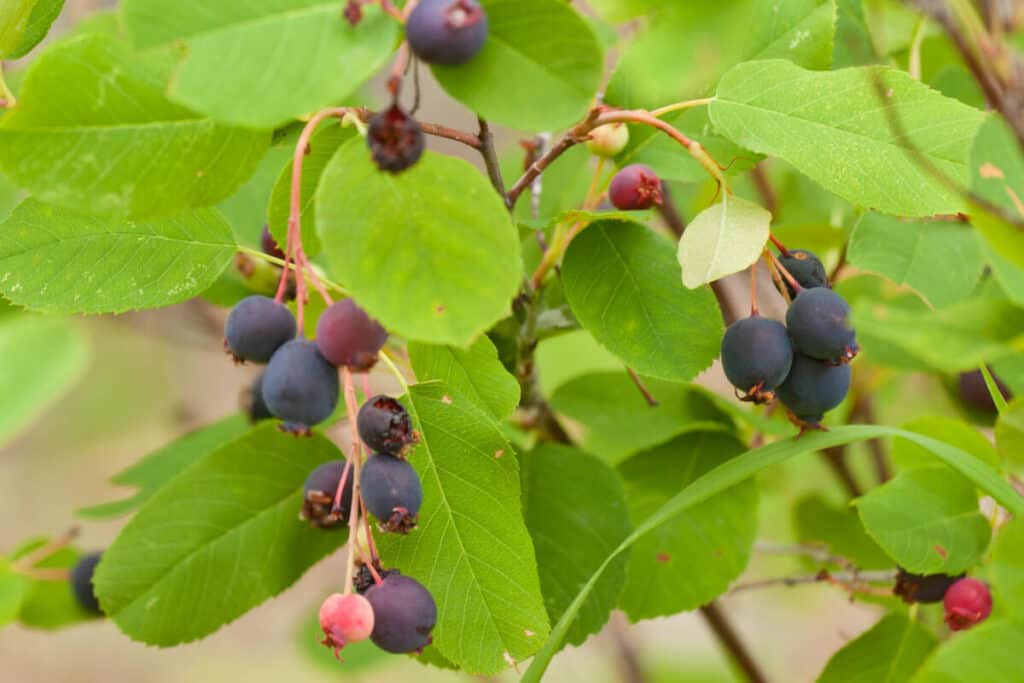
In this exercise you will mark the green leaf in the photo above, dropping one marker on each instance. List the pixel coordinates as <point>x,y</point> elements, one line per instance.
<point>15,587</point>
<point>776,108</point>
<point>246,209</point>
<point>617,421</point>
<point>997,175</point>
<point>819,522</point>
<point>750,463</point>
<point>44,13</point>
<point>93,131</point>
<point>14,18</point>
<point>889,652</point>
<point>62,261</point>
<point>1009,275</point>
<point>853,44</point>
<point>568,356</point>
<point>158,468</point>
<point>690,560</point>
<point>40,360</point>
<point>223,535</point>
<point>437,262</point>
<point>1010,432</point>
<point>539,68</point>
<point>1008,567</point>
<point>50,605</point>
<point>989,653</point>
<point>472,549</point>
<point>475,373</point>
<point>322,147</point>
<point>800,31</point>
<point>625,287</point>
<point>913,253</point>
<point>261,64</point>
<point>721,240</point>
<point>927,520</point>
<point>575,509</point>
<point>957,433</point>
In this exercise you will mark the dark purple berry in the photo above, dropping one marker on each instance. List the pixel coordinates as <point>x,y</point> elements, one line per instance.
<point>756,356</point>
<point>257,327</point>
<point>384,426</point>
<point>819,325</point>
<point>923,588</point>
<point>392,492</point>
<point>269,244</point>
<point>404,614</point>
<point>813,387</point>
<point>81,582</point>
<point>299,385</point>
<point>635,187</point>
<point>396,140</point>
<point>974,392</point>
<point>347,336</point>
<point>968,602</point>
<point>318,496</point>
<point>253,404</point>
<point>446,32</point>
<point>806,268</point>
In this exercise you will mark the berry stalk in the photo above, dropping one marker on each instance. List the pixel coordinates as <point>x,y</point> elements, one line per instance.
<point>356,456</point>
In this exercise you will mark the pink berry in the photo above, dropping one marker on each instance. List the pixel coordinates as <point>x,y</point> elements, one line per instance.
<point>967,602</point>
<point>635,187</point>
<point>345,619</point>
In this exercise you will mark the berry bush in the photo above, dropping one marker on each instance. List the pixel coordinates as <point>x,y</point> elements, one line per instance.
<point>706,298</point>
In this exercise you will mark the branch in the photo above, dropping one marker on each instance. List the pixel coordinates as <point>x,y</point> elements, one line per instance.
<point>435,129</point>
<point>575,136</point>
<point>486,138</point>
<point>853,582</point>
<point>729,639</point>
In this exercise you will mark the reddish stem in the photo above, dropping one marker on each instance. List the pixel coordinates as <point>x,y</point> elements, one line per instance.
<point>785,273</point>
<point>341,486</point>
<point>778,245</point>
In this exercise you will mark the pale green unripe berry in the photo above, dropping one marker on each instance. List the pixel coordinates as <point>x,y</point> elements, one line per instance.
<point>608,140</point>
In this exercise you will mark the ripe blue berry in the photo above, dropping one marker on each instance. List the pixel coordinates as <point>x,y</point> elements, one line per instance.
<point>318,496</point>
<point>925,588</point>
<point>756,356</point>
<point>384,425</point>
<point>396,140</point>
<point>299,385</point>
<point>392,492</point>
<point>818,323</point>
<point>252,401</point>
<point>635,187</point>
<point>806,268</point>
<point>81,582</point>
<point>347,336</point>
<point>446,32</point>
<point>257,327</point>
<point>813,387</point>
<point>404,614</point>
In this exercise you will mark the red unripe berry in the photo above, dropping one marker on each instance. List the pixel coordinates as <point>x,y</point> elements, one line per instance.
<point>967,602</point>
<point>269,244</point>
<point>345,619</point>
<point>347,336</point>
<point>635,187</point>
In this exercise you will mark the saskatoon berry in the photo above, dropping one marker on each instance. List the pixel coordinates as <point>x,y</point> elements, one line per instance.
<point>257,327</point>
<point>392,492</point>
<point>608,140</point>
<point>967,603</point>
<point>384,425</point>
<point>299,385</point>
<point>396,140</point>
<point>818,322</point>
<point>404,614</point>
<point>81,582</point>
<point>345,619</point>
<point>446,32</point>
<point>756,356</point>
<point>806,268</point>
<point>318,496</point>
<point>974,391</point>
<point>347,336</point>
<point>923,588</point>
<point>635,187</point>
<point>252,401</point>
<point>269,244</point>
<point>813,388</point>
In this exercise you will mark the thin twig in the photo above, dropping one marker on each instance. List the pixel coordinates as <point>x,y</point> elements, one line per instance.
<point>435,129</point>
<point>486,138</point>
<point>853,582</point>
<point>629,661</point>
<point>644,391</point>
<point>729,639</point>
<point>817,553</point>
<point>765,189</point>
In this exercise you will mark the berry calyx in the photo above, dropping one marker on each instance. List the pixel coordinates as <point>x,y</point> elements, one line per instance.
<point>81,582</point>
<point>396,140</point>
<point>384,426</point>
<point>269,244</point>
<point>608,140</point>
<point>446,32</point>
<point>923,588</point>
<point>806,268</point>
<point>345,619</point>
<point>257,327</point>
<point>819,325</point>
<point>812,388</point>
<point>404,614</point>
<point>968,602</point>
<point>300,386</point>
<point>756,357</point>
<point>319,493</point>
<point>347,336</point>
<point>392,492</point>
<point>635,187</point>
<point>364,578</point>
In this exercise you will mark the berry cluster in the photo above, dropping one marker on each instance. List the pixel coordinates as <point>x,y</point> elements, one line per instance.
<point>805,363</point>
<point>967,602</point>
